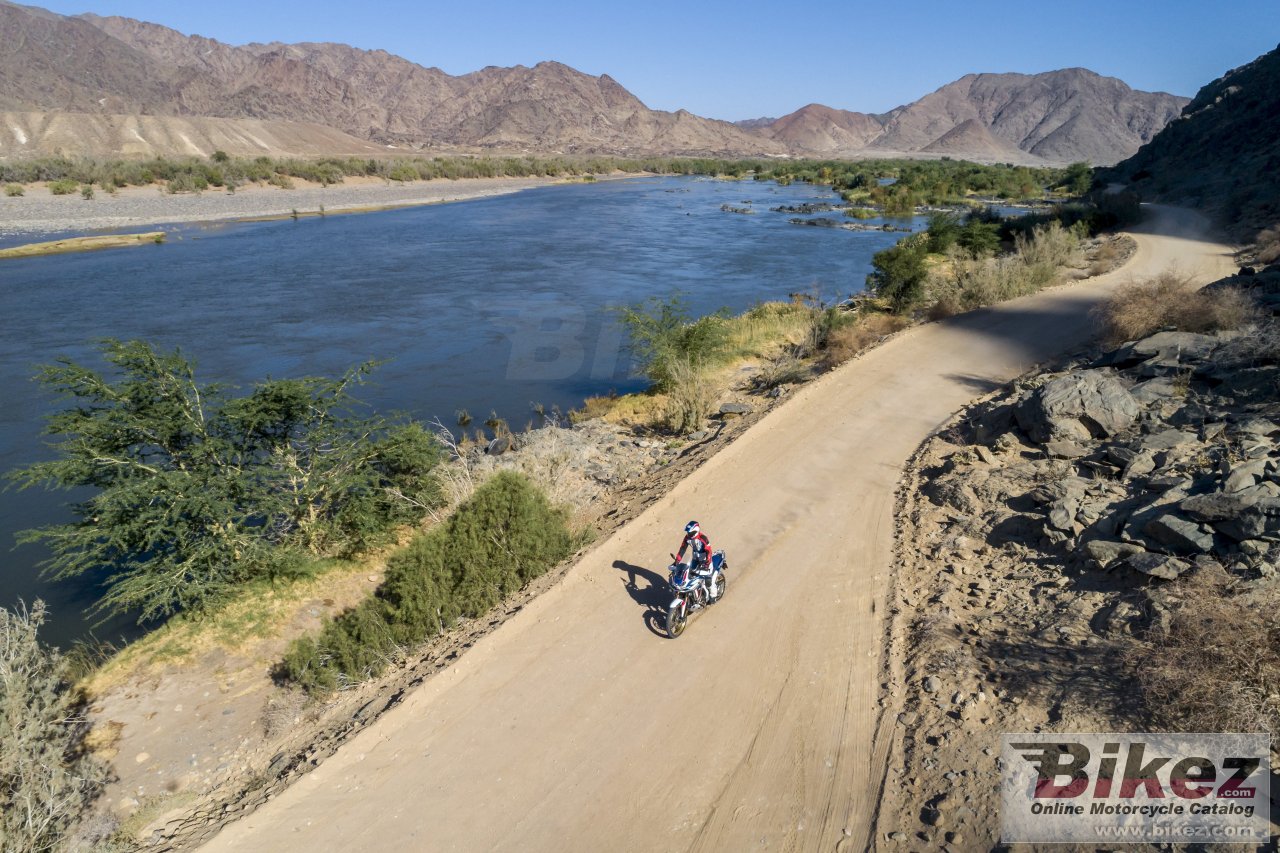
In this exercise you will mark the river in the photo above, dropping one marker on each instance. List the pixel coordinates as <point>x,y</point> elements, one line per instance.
<point>486,305</point>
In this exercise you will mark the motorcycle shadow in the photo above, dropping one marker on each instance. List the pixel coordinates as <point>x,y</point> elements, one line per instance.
<point>654,595</point>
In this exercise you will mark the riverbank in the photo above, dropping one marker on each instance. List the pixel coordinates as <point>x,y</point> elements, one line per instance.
<point>39,212</point>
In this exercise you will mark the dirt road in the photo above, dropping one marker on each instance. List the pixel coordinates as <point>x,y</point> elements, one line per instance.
<point>575,726</point>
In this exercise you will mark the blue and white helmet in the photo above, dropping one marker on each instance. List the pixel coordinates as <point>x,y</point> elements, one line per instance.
<point>692,528</point>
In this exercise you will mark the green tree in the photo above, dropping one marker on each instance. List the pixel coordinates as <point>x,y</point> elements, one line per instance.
<point>46,779</point>
<point>900,271</point>
<point>979,237</point>
<point>1078,178</point>
<point>196,490</point>
<point>663,335</point>
<point>943,230</point>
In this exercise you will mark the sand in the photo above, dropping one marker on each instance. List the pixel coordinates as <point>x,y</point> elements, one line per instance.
<point>40,212</point>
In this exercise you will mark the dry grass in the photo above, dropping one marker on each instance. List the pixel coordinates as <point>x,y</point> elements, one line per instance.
<point>260,615</point>
<point>1217,669</point>
<point>1172,299</point>
<point>1268,245</point>
<point>692,396</point>
<point>847,341</point>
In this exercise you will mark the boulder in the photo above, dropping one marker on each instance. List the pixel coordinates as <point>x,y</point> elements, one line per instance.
<point>1244,475</point>
<point>1105,553</point>
<point>1157,565</point>
<point>735,409</point>
<point>1155,390</point>
<point>1179,534</point>
<point>1077,406</point>
<point>1140,465</point>
<point>1185,346</point>
<point>1216,506</point>
<point>1166,440</point>
<point>500,445</point>
<point>1064,449</point>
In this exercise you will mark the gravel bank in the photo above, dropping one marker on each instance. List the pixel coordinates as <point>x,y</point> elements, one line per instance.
<point>39,212</point>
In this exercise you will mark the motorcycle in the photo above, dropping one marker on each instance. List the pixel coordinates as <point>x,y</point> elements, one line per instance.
<point>693,591</point>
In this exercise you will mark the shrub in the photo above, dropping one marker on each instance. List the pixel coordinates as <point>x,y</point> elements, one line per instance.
<point>846,341</point>
<point>943,230</point>
<point>979,237</point>
<point>46,778</point>
<point>14,190</point>
<point>64,186</point>
<point>503,536</point>
<point>1213,671</point>
<point>1172,299</point>
<point>900,271</point>
<point>284,182</point>
<point>1268,244</point>
<point>662,334</point>
<point>86,192</point>
<point>690,397</point>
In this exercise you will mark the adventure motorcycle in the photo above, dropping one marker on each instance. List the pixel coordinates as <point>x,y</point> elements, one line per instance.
<point>693,590</point>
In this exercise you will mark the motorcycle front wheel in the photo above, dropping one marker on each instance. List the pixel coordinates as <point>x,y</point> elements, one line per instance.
<point>676,620</point>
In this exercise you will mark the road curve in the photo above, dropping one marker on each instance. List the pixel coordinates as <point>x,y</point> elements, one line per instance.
<point>575,727</point>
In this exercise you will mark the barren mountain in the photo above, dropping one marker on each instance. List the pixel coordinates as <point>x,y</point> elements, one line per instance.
<point>1059,116</point>
<point>971,140</point>
<point>125,65</point>
<point>111,66</point>
<point>1222,154</point>
<point>71,134</point>
<point>821,130</point>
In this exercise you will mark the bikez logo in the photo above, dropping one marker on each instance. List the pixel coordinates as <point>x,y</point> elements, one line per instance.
<point>1148,787</point>
<point>1066,770</point>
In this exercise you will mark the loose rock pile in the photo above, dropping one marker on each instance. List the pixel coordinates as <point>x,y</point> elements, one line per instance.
<point>1047,538</point>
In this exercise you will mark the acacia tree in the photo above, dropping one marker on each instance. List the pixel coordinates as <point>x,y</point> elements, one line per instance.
<point>196,490</point>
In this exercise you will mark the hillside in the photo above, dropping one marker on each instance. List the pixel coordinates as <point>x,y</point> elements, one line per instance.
<point>821,130</point>
<point>120,65</point>
<point>1055,117</point>
<point>70,67</point>
<point>1222,154</point>
<point>70,134</point>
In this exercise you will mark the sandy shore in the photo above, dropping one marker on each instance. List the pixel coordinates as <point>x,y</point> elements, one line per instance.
<point>40,212</point>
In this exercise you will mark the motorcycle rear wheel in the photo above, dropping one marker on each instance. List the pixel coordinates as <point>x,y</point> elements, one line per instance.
<point>676,621</point>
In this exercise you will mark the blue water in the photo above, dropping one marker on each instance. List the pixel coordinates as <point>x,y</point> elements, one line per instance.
<point>487,305</point>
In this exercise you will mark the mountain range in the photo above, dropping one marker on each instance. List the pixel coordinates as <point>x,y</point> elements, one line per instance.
<point>59,73</point>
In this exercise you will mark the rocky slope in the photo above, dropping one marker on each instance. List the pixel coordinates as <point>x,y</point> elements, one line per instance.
<point>112,65</point>
<point>1055,540</point>
<point>1222,153</point>
<point>1054,117</point>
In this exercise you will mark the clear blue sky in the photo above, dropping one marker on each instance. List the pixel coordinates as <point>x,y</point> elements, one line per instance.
<point>736,60</point>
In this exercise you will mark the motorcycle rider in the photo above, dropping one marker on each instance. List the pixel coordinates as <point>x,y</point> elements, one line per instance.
<point>700,548</point>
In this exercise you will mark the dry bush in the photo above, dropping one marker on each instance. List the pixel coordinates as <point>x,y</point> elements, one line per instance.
<point>1172,299</point>
<point>1268,245</point>
<point>46,779</point>
<point>690,398</point>
<point>1050,247</point>
<point>593,408</point>
<point>1217,668</point>
<point>787,370</point>
<point>847,341</point>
